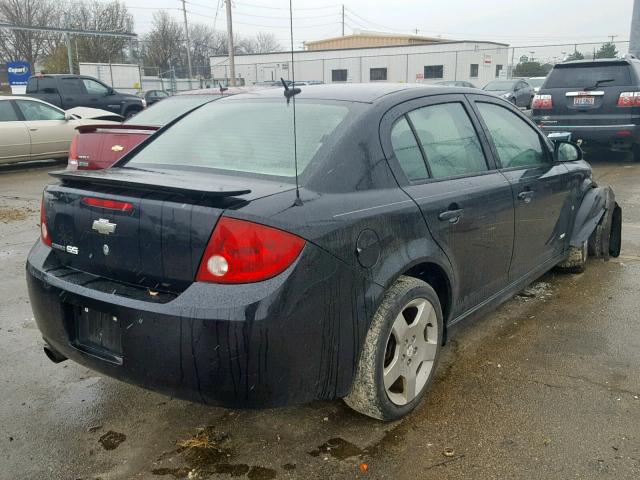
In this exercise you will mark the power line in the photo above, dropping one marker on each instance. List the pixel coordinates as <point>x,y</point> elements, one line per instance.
<point>283,8</point>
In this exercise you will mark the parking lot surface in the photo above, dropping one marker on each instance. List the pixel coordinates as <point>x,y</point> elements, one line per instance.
<point>547,386</point>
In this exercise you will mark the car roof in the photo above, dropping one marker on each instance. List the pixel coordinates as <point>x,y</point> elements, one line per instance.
<point>227,91</point>
<point>25,97</point>
<point>357,92</point>
<point>570,63</point>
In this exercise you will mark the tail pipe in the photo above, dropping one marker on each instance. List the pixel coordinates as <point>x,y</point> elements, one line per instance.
<point>53,355</point>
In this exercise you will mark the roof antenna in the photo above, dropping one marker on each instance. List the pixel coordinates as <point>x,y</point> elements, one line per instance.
<point>290,93</point>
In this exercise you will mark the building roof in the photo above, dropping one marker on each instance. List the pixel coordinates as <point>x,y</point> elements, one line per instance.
<point>364,35</point>
<point>413,45</point>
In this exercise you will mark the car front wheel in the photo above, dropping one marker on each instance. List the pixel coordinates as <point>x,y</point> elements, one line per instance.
<point>401,352</point>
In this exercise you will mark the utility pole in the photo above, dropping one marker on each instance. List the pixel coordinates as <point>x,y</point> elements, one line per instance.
<point>612,37</point>
<point>634,37</point>
<point>67,38</point>
<point>232,62</point>
<point>186,33</point>
<point>343,19</point>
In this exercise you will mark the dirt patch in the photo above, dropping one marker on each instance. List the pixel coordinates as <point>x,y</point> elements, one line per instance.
<point>14,214</point>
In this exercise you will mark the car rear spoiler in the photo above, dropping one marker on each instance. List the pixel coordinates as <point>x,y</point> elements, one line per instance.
<point>156,180</point>
<point>115,126</point>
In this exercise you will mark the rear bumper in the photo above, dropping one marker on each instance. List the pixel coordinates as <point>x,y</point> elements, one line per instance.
<point>283,341</point>
<point>602,134</point>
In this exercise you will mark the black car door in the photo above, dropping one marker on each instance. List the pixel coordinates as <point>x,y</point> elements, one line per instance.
<point>72,92</point>
<point>541,187</point>
<point>444,164</point>
<point>99,96</point>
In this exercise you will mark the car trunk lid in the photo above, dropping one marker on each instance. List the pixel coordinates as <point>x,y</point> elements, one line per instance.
<point>146,228</point>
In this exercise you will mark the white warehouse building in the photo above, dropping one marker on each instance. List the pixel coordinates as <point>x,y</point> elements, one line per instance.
<point>475,62</point>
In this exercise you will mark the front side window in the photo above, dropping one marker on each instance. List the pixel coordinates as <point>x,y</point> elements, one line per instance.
<point>377,74</point>
<point>339,75</point>
<point>434,71</point>
<point>407,151</point>
<point>7,113</point>
<point>93,87</point>
<point>517,143</point>
<point>473,70</point>
<point>247,137</point>
<point>449,140</point>
<point>34,111</point>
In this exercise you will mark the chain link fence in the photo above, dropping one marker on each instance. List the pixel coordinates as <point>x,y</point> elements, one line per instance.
<point>477,64</point>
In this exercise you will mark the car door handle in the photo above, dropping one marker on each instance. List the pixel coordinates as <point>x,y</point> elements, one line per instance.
<point>526,196</point>
<point>452,216</point>
<point>33,129</point>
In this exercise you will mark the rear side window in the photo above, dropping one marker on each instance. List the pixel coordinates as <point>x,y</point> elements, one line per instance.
<point>7,113</point>
<point>584,76</point>
<point>72,85</point>
<point>254,137</point>
<point>34,111</point>
<point>407,151</point>
<point>449,140</point>
<point>517,144</point>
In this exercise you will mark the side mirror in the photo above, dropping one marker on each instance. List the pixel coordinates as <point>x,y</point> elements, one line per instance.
<point>567,152</point>
<point>559,136</point>
<point>110,91</point>
<point>68,116</point>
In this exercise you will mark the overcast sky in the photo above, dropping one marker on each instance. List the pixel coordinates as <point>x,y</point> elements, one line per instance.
<point>517,22</point>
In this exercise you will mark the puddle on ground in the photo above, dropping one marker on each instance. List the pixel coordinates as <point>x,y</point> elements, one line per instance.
<point>111,440</point>
<point>174,472</point>
<point>338,448</point>
<point>261,473</point>
<point>208,453</point>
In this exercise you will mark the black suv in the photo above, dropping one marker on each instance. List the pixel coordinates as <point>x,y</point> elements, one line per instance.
<point>69,91</point>
<point>598,101</point>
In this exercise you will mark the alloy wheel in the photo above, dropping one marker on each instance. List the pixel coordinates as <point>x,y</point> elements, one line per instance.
<point>410,351</point>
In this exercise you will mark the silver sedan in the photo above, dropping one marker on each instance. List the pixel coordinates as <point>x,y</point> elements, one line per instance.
<point>31,129</point>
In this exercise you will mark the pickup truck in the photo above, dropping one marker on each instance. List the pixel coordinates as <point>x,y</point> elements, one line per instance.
<point>68,91</point>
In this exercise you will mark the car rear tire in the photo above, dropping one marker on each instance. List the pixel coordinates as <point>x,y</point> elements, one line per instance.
<point>400,353</point>
<point>577,261</point>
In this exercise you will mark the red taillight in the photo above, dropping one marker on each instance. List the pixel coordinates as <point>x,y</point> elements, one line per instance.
<point>73,154</point>
<point>629,99</point>
<point>45,235</point>
<point>245,252</point>
<point>108,204</point>
<point>542,102</point>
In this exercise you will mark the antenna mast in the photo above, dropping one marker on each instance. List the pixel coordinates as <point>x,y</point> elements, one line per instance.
<point>298,201</point>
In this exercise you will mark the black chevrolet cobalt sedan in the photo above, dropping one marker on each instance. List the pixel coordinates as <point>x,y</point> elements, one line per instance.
<point>195,267</point>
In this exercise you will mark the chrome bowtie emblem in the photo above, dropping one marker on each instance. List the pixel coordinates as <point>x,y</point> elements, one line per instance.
<point>105,249</point>
<point>104,226</point>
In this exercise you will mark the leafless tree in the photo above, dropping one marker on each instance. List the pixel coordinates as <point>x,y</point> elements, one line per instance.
<point>29,45</point>
<point>266,43</point>
<point>112,16</point>
<point>163,46</point>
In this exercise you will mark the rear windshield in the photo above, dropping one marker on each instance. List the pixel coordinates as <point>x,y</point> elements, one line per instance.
<point>499,86</point>
<point>587,75</point>
<point>161,113</point>
<point>246,136</point>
